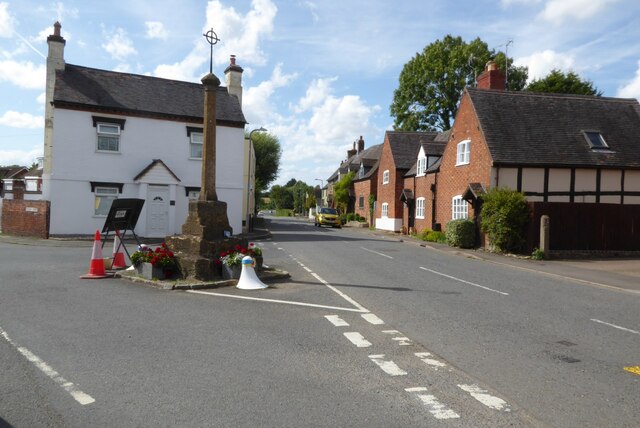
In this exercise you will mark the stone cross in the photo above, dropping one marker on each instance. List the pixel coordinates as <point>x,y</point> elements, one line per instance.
<point>208,190</point>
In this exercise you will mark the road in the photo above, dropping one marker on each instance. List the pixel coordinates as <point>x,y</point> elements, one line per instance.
<point>368,332</point>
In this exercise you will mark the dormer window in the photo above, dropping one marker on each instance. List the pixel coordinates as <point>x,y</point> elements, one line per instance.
<point>361,171</point>
<point>596,140</point>
<point>422,166</point>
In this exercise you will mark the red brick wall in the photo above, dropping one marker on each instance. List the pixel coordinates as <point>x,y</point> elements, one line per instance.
<point>25,218</point>
<point>362,189</point>
<point>454,180</point>
<point>423,190</point>
<point>389,193</point>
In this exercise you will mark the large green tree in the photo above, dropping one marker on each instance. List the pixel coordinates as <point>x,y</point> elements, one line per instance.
<point>281,197</point>
<point>558,82</point>
<point>268,152</point>
<point>341,191</point>
<point>431,83</point>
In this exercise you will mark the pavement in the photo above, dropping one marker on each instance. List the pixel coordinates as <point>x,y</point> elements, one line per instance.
<point>616,273</point>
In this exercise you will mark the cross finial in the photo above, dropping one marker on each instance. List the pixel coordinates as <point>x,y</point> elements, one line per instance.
<point>212,39</point>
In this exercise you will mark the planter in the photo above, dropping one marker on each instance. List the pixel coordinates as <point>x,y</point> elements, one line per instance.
<point>231,272</point>
<point>259,262</point>
<point>149,271</point>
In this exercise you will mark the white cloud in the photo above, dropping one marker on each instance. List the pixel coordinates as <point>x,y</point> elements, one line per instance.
<point>183,70</point>
<point>507,3</point>
<point>541,63</point>
<point>317,92</point>
<point>20,157</point>
<point>41,98</point>
<point>256,102</point>
<point>15,119</point>
<point>241,34</point>
<point>119,45</point>
<point>557,11</point>
<point>155,30</point>
<point>631,89</point>
<point>23,74</point>
<point>6,21</point>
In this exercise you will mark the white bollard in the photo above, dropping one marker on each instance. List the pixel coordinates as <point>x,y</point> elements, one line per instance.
<point>248,278</point>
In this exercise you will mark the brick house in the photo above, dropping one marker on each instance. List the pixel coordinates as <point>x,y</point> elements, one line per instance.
<point>552,147</point>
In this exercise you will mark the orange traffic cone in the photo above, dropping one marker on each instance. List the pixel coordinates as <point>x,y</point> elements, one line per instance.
<point>96,268</point>
<point>118,253</point>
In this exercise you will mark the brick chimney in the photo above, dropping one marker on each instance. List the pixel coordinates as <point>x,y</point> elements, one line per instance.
<point>352,152</point>
<point>492,78</point>
<point>360,144</point>
<point>233,73</point>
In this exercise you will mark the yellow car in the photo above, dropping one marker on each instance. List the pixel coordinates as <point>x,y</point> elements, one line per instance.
<point>327,216</point>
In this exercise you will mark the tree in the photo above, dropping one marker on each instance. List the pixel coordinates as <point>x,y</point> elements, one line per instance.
<point>431,83</point>
<point>560,83</point>
<point>268,152</point>
<point>341,191</point>
<point>299,191</point>
<point>281,197</point>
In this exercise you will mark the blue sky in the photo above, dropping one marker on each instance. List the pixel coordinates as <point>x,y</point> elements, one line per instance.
<point>318,74</point>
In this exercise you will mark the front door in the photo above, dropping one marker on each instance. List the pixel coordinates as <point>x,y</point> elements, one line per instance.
<point>157,211</point>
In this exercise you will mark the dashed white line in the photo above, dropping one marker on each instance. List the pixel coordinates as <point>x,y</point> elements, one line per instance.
<point>387,366</point>
<point>336,321</point>
<point>466,282</point>
<point>437,409</point>
<point>375,252</point>
<point>616,326</point>
<point>357,339</point>
<point>372,318</point>
<point>402,340</point>
<point>77,395</point>
<point>426,358</point>
<point>485,398</point>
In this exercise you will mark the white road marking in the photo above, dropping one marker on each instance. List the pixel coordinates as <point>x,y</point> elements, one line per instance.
<point>77,395</point>
<point>485,398</point>
<point>340,293</point>
<point>372,318</point>
<point>402,340</point>
<point>425,357</point>
<point>466,282</point>
<point>616,326</point>
<point>286,302</point>
<point>337,321</point>
<point>307,269</point>
<point>375,252</point>
<point>437,409</point>
<point>357,339</point>
<point>388,367</point>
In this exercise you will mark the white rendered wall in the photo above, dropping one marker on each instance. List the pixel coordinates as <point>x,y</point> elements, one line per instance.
<point>388,223</point>
<point>76,162</point>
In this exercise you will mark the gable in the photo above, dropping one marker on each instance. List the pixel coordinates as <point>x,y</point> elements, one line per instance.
<point>157,172</point>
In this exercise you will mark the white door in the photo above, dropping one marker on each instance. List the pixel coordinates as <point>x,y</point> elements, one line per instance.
<point>157,211</point>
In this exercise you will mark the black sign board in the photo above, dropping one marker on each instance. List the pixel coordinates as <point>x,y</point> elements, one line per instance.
<point>123,216</point>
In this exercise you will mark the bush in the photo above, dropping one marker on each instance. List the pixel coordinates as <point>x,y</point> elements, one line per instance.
<point>537,254</point>
<point>505,215</point>
<point>432,236</point>
<point>461,233</point>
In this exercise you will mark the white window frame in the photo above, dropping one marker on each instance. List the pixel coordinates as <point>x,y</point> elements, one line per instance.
<point>420,204</point>
<point>385,177</point>
<point>31,185</point>
<point>459,208</point>
<point>385,209</point>
<point>103,131</point>
<point>463,152</point>
<point>8,185</point>
<point>422,166</point>
<point>194,143</point>
<point>108,193</point>
<point>193,195</point>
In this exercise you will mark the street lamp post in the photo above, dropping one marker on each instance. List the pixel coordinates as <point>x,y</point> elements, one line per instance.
<point>249,214</point>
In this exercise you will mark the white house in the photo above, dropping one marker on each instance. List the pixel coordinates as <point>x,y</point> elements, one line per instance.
<point>118,135</point>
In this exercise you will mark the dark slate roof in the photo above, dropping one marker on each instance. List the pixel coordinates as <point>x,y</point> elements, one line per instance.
<point>406,145</point>
<point>528,128</point>
<point>369,173</point>
<point>124,93</point>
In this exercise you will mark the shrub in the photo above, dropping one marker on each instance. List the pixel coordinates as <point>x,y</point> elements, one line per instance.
<point>433,236</point>
<point>537,254</point>
<point>461,233</point>
<point>505,215</point>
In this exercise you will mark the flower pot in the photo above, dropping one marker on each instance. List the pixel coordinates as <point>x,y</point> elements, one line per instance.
<point>149,271</point>
<point>259,262</point>
<point>231,272</point>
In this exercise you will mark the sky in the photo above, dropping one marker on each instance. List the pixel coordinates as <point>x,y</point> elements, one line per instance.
<point>317,74</point>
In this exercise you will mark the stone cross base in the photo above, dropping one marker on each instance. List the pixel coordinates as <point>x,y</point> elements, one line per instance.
<point>202,240</point>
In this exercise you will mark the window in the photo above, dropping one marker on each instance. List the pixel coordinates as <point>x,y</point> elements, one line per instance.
<point>31,185</point>
<point>459,208</point>
<point>8,185</point>
<point>104,197</point>
<point>193,195</point>
<point>195,145</point>
<point>361,171</point>
<point>463,152</point>
<point>422,166</point>
<point>108,137</point>
<point>385,177</point>
<point>385,210</point>
<point>420,208</point>
<point>361,202</point>
<point>596,140</point>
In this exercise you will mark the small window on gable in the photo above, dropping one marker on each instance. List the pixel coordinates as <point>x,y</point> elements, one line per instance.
<point>385,177</point>
<point>464,149</point>
<point>361,171</point>
<point>422,166</point>
<point>596,140</point>
<point>108,137</point>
